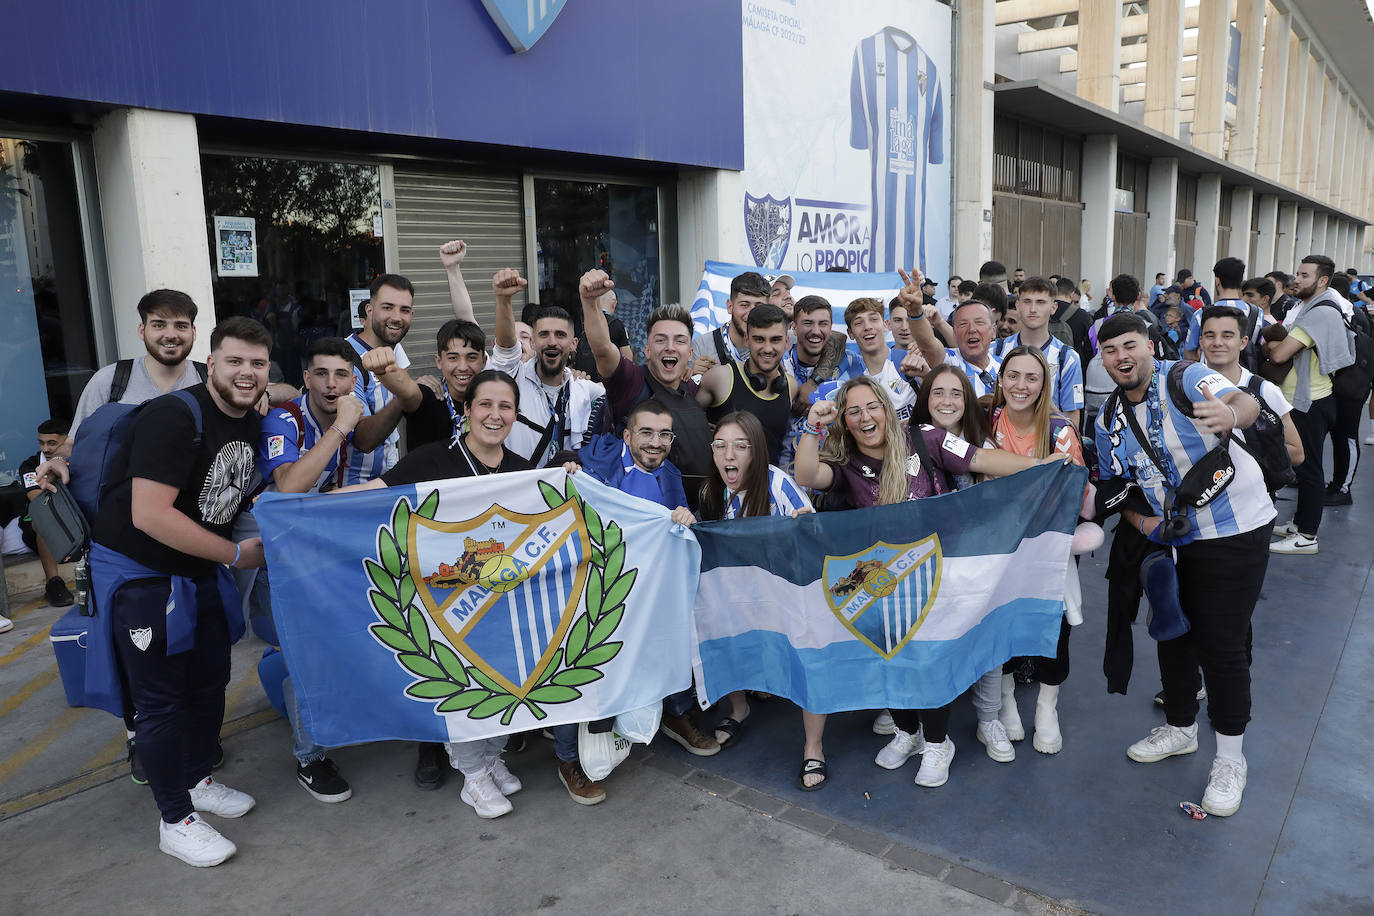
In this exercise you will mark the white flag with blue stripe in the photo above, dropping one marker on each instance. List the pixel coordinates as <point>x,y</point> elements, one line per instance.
<point>899,607</point>
<point>709,309</point>
<point>464,609</point>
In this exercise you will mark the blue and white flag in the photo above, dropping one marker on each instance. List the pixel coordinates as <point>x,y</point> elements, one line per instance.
<point>709,309</point>
<point>464,609</point>
<point>899,607</point>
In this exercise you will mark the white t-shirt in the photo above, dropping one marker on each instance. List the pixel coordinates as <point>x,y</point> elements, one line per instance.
<point>898,389</point>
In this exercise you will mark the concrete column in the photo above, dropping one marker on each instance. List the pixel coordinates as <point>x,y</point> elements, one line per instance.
<point>1164,68</point>
<point>1208,215</point>
<point>1312,127</point>
<point>709,227</point>
<point>1319,244</point>
<point>152,207</point>
<point>972,236</point>
<point>1099,212</point>
<point>1213,28</point>
<point>1285,238</point>
<point>1302,237</point>
<point>1328,137</point>
<point>1242,208</point>
<point>1343,179</point>
<point>1266,246</point>
<point>1099,54</point>
<point>1250,22</point>
<point>1295,112</point>
<point>1343,245</point>
<point>1273,94</point>
<point>1162,203</point>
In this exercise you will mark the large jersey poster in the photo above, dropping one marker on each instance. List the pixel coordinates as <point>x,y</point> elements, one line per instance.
<point>846,135</point>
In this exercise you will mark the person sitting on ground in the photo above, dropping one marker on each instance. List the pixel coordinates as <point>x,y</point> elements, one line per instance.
<point>52,436</point>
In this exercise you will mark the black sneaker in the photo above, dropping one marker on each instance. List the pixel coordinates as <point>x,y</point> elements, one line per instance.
<point>430,767</point>
<point>136,766</point>
<point>219,757</point>
<point>517,743</point>
<point>322,780</point>
<point>1338,498</point>
<point>57,593</point>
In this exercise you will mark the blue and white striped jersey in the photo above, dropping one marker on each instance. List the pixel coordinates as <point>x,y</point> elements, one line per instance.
<point>1065,368</point>
<point>851,365</point>
<point>1243,506</point>
<point>984,381</point>
<point>363,466</point>
<point>784,496</point>
<point>897,114</point>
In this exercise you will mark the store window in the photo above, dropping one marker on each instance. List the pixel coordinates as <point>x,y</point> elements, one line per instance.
<point>47,342</point>
<point>582,224</point>
<point>295,244</point>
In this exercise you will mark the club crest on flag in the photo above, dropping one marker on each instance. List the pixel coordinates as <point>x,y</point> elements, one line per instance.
<point>523,22</point>
<point>882,594</point>
<point>768,226</point>
<point>484,610</point>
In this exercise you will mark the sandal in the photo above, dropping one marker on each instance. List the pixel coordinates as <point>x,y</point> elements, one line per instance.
<point>809,766</point>
<point>732,729</point>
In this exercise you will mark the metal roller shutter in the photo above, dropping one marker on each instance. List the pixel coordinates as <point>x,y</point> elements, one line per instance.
<point>435,205</point>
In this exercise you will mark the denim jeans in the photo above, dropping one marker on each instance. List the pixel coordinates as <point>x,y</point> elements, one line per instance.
<point>565,742</point>
<point>303,747</point>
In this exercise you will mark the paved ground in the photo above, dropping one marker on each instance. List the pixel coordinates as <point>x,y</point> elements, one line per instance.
<point>1084,830</point>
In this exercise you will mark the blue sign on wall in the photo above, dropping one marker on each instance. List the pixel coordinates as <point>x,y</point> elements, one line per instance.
<point>617,78</point>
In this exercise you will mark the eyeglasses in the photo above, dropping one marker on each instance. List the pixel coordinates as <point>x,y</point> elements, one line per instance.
<point>872,407</point>
<point>739,445</point>
<point>655,435</point>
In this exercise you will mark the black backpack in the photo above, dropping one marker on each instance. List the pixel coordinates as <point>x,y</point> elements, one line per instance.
<point>1353,382</point>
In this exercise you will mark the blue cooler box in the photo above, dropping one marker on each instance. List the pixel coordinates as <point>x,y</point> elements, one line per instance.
<point>69,645</point>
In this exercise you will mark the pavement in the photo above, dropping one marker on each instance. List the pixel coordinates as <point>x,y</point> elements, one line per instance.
<point>1086,830</point>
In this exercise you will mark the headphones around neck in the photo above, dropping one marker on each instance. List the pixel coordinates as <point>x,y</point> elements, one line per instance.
<point>759,382</point>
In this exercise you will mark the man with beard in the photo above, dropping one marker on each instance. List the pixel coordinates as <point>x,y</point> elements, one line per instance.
<point>780,293</point>
<point>386,320</point>
<point>730,344</point>
<point>1144,437</point>
<point>663,376</point>
<point>760,385</point>
<point>974,330</point>
<point>166,607</point>
<point>557,411</point>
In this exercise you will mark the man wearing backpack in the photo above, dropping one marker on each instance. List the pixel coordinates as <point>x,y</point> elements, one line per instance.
<point>166,610</point>
<point>1229,276</point>
<point>1319,343</point>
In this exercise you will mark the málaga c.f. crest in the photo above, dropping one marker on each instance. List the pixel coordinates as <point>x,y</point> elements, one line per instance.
<point>484,610</point>
<point>883,594</point>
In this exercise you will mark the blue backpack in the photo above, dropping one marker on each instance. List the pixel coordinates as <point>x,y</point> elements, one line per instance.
<point>101,435</point>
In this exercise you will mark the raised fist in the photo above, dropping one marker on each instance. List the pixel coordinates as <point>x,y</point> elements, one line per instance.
<point>507,283</point>
<point>348,410</point>
<point>379,360</point>
<point>822,413</point>
<point>451,254</point>
<point>593,285</point>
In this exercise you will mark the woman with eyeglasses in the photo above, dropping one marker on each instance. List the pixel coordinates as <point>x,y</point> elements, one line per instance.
<point>1025,422</point>
<point>743,484</point>
<point>877,461</point>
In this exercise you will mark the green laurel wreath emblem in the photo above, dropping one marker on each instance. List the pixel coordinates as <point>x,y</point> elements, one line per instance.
<point>442,675</point>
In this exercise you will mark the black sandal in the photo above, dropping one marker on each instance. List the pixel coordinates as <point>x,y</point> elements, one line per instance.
<point>809,766</point>
<point>733,728</point>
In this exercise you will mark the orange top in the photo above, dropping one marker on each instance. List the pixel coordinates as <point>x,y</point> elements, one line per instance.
<point>1009,439</point>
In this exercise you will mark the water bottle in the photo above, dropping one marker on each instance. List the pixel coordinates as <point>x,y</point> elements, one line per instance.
<point>83,586</point>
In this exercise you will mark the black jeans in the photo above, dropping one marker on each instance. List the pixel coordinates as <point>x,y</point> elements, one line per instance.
<point>1312,425</point>
<point>935,722</point>
<point>1218,584</point>
<point>1345,443</point>
<point>179,698</point>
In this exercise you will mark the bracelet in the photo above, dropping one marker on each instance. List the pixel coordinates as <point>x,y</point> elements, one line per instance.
<point>342,434</point>
<point>810,429</point>
<point>1235,420</point>
<point>238,552</point>
<point>1142,525</point>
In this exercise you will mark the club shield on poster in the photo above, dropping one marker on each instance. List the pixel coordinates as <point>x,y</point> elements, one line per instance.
<point>846,135</point>
<point>236,246</point>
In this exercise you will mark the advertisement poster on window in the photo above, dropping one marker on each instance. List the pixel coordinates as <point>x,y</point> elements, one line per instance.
<point>847,135</point>
<point>236,240</point>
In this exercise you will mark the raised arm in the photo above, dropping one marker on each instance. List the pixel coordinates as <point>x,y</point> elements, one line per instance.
<point>808,469</point>
<point>593,285</point>
<point>919,317</point>
<point>451,255</point>
<point>300,475</point>
<point>505,285</point>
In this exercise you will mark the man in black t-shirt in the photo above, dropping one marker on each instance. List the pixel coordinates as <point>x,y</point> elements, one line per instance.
<point>166,607</point>
<point>460,353</point>
<point>52,436</point>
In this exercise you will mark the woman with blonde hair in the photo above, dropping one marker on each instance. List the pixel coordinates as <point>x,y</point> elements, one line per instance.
<point>875,460</point>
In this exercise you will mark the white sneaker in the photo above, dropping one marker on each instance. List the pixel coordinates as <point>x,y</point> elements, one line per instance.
<point>1295,543</point>
<point>218,799</point>
<point>994,737</point>
<point>5,623</point>
<point>1287,529</point>
<point>194,842</point>
<point>883,725</point>
<point>483,795</point>
<point>935,762</point>
<point>506,781</point>
<point>1369,439</point>
<point>1225,786</point>
<point>900,749</point>
<point>1164,741</point>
